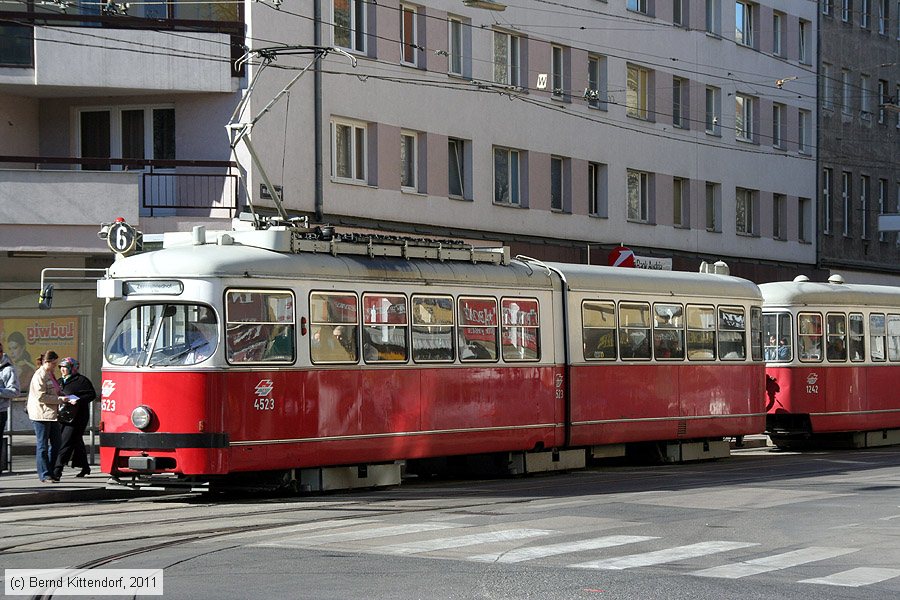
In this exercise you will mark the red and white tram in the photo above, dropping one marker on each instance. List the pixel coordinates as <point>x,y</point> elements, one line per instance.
<point>325,362</point>
<point>833,355</point>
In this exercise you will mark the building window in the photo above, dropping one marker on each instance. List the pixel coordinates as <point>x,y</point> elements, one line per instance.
<point>348,151</point>
<point>679,201</point>
<point>713,207</point>
<point>744,209</point>
<point>458,59</point>
<point>680,111</point>
<point>743,117</point>
<point>596,92</point>
<point>638,196</point>
<point>557,67</point>
<point>828,7</point>
<point>846,92</point>
<point>743,23</point>
<point>408,35</point>
<point>778,21</point>
<point>558,166</point>
<point>882,198</point>
<point>506,176</point>
<point>408,161</point>
<point>827,180</point>
<point>458,170</point>
<point>864,182</point>
<point>846,7</point>
<point>350,24</point>
<point>713,110</point>
<point>778,125</point>
<point>804,220</point>
<point>507,59</point>
<point>141,133</point>
<point>637,6</point>
<point>882,99</point>
<point>713,15</point>
<point>865,11</point>
<point>865,96</point>
<point>804,126</point>
<point>678,16</point>
<point>779,215</point>
<point>885,17</point>
<point>846,198</point>
<point>803,42</point>
<point>827,87</point>
<point>637,93</point>
<point>597,205</point>
<point>895,104</point>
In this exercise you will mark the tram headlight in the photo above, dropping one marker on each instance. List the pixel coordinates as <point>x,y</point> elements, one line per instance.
<point>141,417</point>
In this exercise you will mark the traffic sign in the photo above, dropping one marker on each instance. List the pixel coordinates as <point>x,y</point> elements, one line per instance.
<point>621,257</point>
<point>122,238</point>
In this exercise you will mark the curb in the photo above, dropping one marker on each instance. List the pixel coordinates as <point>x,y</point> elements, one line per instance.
<point>62,496</point>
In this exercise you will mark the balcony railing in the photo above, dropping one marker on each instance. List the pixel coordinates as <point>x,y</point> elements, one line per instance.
<point>167,186</point>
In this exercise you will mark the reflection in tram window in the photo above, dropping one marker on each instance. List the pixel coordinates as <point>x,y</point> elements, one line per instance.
<point>384,328</point>
<point>432,328</point>
<point>701,332</point>
<point>732,332</point>
<point>836,338</point>
<point>809,336</point>
<point>333,327</point>
<point>477,329</point>
<point>668,331</point>
<point>877,336</point>
<point>259,326</point>
<point>857,338</point>
<point>519,329</point>
<point>599,330</point>
<point>634,330</point>
<point>893,337</point>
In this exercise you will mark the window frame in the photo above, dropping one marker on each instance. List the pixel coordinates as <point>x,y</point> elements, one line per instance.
<point>463,324</point>
<point>409,161</point>
<point>532,325</point>
<point>510,62</point>
<point>637,92</point>
<point>414,324</point>
<point>612,331</point>
<point>370,323</point>
<point>317,326</point>
<point>409,35</point>
<point>722,328</point>
<point>513,176</point>
<point>707,333</point>
<point>357,33</point>
<point>747,225</point>
<point>744,30</point>
<point>642,208</point>
<point>357,151</point>
<point>629,330</point>
<point>817,337</point>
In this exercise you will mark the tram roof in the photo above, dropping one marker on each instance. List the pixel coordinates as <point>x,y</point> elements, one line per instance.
<point>657,283</point>
<point>810,293</point>
<point>235,261</point>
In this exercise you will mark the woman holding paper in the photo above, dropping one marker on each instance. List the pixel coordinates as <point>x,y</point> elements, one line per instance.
<point>44,398</point>
<point>79,389</point>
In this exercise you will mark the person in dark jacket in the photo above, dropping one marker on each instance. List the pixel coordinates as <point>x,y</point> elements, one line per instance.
<point>72,447</point>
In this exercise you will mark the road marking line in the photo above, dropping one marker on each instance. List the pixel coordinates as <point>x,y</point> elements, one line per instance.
<point>460,541</point>
<point>531,553</point>
<point>663,556</point>
<point>364,534</point>
<point>856,577</point>
<point>773,563</point>
<point>290,529</point>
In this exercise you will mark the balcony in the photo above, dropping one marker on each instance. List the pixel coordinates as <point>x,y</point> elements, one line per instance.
<point>71,54</point>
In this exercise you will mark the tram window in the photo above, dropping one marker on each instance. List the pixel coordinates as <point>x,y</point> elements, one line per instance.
<point>836,338</point>
<point>598,320</point>
<point>857,338</point>
<point>164,335</point>
<point>477,328</point>
<point>668,331</point>
<point>777,333</point>
<point>701,332</point>
<point>634,330</point>
<point>520,333</point>
<point>732,331</point>
<point>809,336</point>
<point>333,324</point>
<point>893,337</point>
<point>755,333</point>
<point>384,328</point>
<point>432,328</point>
<point>876,336</point>
<point>259,326</point>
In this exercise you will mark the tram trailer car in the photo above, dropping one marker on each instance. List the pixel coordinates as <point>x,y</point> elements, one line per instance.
<point>833,363</point>
<point>326,364</point>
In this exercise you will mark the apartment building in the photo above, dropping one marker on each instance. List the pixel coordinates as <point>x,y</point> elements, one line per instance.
<point>561,129</point>
<point>859,131</point>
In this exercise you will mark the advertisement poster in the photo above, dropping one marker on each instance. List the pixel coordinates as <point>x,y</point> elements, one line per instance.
<point>24,339</point>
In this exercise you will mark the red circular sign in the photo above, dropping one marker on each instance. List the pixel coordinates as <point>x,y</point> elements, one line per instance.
<point>621,257</point>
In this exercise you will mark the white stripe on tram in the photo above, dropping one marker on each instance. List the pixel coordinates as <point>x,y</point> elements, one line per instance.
<point>663,556</point>
<point>461,541</point>
<point>856,577</point>
<point>757,566</point>
<point>363,534</point>
<point>531,553</point>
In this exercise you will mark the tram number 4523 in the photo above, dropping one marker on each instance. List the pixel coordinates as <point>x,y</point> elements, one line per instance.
<point>264,404</point>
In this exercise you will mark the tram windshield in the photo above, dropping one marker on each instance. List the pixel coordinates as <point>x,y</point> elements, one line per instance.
<point>158,335</point>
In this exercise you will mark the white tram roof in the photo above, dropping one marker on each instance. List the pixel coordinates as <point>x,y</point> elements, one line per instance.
<point>810,293</point>
<point>662,284</point>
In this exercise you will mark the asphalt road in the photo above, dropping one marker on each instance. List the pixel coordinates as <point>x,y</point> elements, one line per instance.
<point>762,524</point>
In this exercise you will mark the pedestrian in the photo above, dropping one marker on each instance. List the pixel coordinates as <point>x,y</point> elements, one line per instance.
<point>9,388</point>
<point>44,398</point>
<point>72,447</point>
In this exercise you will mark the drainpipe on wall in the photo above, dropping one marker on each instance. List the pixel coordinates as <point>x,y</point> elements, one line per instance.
<point>317,114</point>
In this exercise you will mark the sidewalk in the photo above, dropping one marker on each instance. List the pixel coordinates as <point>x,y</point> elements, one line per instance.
<point>23,488</point>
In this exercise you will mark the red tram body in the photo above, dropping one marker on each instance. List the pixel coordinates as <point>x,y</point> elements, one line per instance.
<point>833,362</point>
<point>278,353</point>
